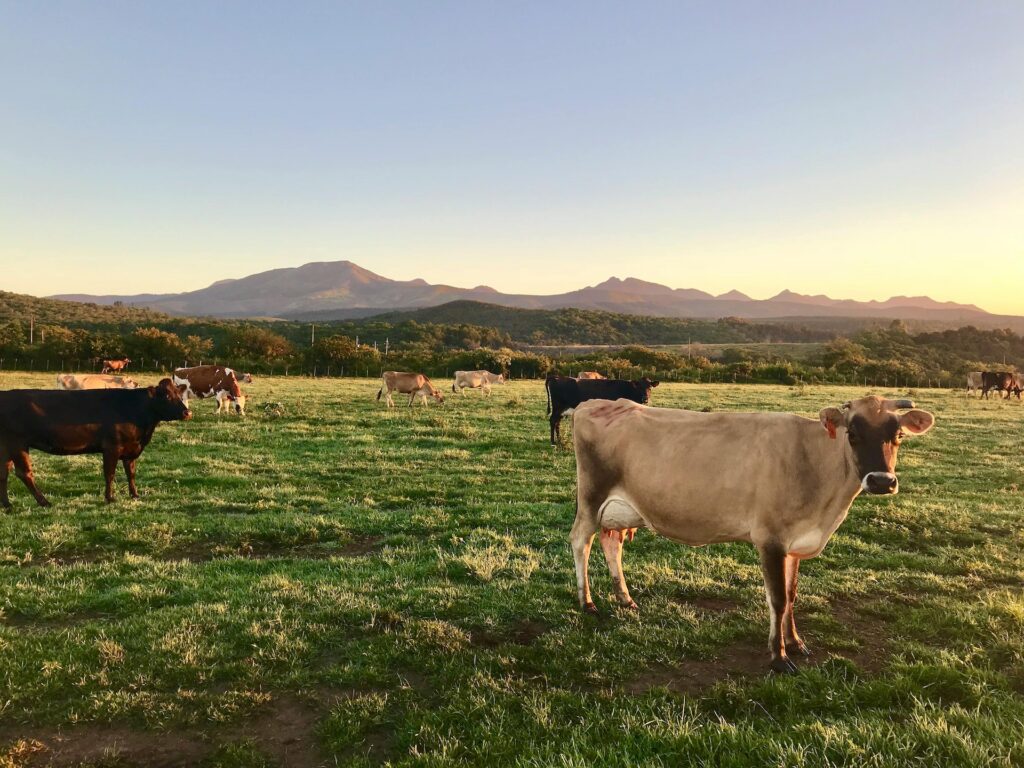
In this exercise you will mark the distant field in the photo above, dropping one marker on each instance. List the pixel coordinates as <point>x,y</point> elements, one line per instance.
<point>349,585</point>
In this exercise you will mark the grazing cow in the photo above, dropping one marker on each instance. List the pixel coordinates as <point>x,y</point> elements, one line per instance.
<point>1000,381</point>
<point>974,382</point>
<point>243,378</point>
<point>94,381</point>
<point>215,381</point>
<point>117,423</point>
<point>481,380</point>
<point>412,384</point>
<point>565,394</point>
<point>779,481</point>
<point>1018,384</point>
<point>590,375</point>
<point>113,366</point>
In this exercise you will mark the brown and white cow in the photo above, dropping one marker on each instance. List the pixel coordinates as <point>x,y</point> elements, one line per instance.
<point>412,384</point>
<point>74,381</point>
<point>779,481</point>
<point>590,375</point>
<point>481,380</point>
<point>204,381</point>
<point>113,366</point>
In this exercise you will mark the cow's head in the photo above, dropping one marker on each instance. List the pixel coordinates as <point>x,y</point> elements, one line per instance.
<point>873,432</point>
<point>644,387</point>
<point>436,394</point>
<point>167,403</point>
<point>240,405</point>
<point>501,378</point>
<point>245,378</point>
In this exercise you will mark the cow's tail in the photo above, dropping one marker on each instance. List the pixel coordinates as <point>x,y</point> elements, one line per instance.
<point>453,386</point>
<point>547,389</point>
<point>380,392</point>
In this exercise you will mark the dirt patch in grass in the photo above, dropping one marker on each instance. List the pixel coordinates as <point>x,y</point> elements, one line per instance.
<point>284,731</point>
<point>524,632</point>
<point>749,657</point>
<point>743,658</point>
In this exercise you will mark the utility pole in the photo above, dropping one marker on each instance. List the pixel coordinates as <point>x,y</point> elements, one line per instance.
<point>31,330</point>
<point>312,334</point>
<point>386,345</point>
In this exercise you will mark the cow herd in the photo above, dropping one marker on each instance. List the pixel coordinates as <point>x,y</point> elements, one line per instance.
<point>984,382</point>
<point>780,482</point>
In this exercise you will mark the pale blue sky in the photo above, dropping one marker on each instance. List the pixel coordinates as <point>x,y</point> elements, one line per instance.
<point>858,149</point>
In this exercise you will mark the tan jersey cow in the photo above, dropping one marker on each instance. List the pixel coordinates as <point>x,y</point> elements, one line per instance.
<point>481,380</point>
<point>215,381</point>
<point>113,366</point>
<point>590,375</point>
<point>779,481</point>
<point>94,381</point>
<point>974,381</point>
<point>415,385</point>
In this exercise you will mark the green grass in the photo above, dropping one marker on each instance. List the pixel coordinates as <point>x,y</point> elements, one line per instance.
<point>351,585</point>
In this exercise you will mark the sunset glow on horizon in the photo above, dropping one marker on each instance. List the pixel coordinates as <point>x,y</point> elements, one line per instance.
<point>860,152</point>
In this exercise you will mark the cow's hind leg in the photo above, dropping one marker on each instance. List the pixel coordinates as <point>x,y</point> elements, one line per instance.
<point>5,469</point>
<point>129,471</point>
<point>582,538</point>
<point>611,543</point>
<point>794,644</point>
<point>773,567</point>
<point>23,469</point>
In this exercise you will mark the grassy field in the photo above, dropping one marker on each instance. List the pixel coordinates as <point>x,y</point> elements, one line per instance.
<point>342,584</point>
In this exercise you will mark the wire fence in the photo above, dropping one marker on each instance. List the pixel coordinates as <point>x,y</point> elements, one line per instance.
<point>692,376</point>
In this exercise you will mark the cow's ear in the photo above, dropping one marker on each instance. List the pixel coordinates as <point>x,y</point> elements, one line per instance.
<point>832,419</point>
<point>916,422</point>
<point>655,383</point>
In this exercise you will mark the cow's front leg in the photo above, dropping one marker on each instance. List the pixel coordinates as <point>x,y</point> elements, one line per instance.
<point>773,567</point>
<point>794,644</point>
<point>109,467</point>
<point>129,471</point>
<point>23,469</point>
<point>611,543</point>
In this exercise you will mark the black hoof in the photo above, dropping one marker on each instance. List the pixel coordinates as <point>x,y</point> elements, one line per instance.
<point>590,608</point>
<point>797,649</point>
<point>783,667</point>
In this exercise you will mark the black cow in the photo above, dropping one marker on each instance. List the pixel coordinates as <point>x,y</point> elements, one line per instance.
<point>115,422</point>
<point>1000,381</point>
<point>565,393</point>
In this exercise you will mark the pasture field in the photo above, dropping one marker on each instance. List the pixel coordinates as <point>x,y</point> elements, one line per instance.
<point>346,585</point>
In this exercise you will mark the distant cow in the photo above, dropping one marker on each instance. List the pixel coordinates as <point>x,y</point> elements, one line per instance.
<point>415,385</point>
<point>565,394</point>
<point>215,381</point>
<point>779,481</point>
<point>94,381</point>
<point>481,380</point>
<point>115,422</point>
<point>244,378</point>
<point>1000,381</point>
<point>113,366</point>
<point>1018,384</point>
<point>590,375</point>
<point>974,382</point>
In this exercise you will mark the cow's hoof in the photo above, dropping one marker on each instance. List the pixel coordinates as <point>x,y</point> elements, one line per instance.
<point>630,605</point>
<point>43,503</point>
<point>783,666</point>
<point>590,608</point>
<point>797,649</point>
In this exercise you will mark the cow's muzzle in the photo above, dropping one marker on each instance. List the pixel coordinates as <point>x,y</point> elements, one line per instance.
<point>882,483</point>
<point>187,416</point>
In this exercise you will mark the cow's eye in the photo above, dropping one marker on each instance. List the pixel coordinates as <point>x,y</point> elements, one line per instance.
<point>900,435</point>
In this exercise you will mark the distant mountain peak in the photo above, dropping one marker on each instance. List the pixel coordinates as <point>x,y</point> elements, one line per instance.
<point>338,286</point>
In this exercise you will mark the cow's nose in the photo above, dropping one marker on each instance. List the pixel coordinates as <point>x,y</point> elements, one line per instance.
<point>881,483</point>
<point>188,415</point>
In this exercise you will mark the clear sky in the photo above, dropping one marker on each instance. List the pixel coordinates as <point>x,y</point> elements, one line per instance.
<point>856,149</point>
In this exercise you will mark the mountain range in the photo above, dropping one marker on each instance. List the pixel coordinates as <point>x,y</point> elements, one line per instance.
<point>341,290</point>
